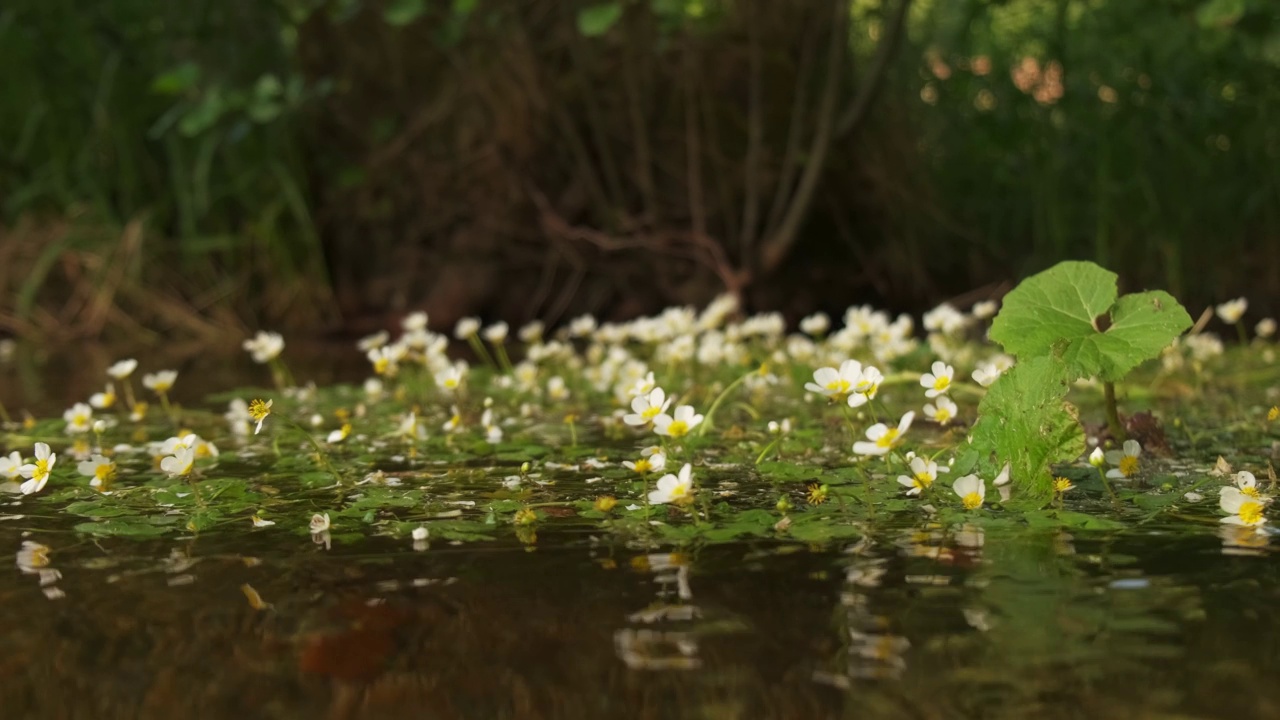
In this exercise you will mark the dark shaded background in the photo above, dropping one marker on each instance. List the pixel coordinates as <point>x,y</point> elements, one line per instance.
<point>206,167</point>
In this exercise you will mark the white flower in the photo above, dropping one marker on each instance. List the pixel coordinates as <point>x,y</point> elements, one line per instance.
<point>945,319</point>
<point>941,412</point>
<point>261,523</point>
<point>884,438</point>
<point>1232,310</point>
<point>319,523</point>
<point>532,331</point>
<point>37,473</point>
<point>938,381</point>
<point>1242,509</point>
<point>466,328</point>
<point>497,333</point>
<point>816,324</point>
<point>452,377</point>
<point>1096,458</point>
<point>265,346</point>
<point>985,309</point>
<point>1248,484</point>
<point>836,384</point>
<point>779,428</point>
<point>1126,462</point>
<point>685,420</point>
<point>415,321</point>
<point>373,388</point>
<point>411,428</point>
<point>986,374</point>
<point>924,472</point>
<point>337,436</point>
<point>1265,328</point>
<point>556,389</point>
<point>79,418</point>
<point>582,326</point>
<point>10,466</point>
<point>104,399</point>
<point>646,408</point>
<point>867,386</point>
<point>160,382</point>
<point>386,359</point>
<point>672,488</point>
<point>492,431</point>
<point>180,462</point>
<point>419,533</point>
<point>652,460</point>
<point>122,369</point>
<point>99,468</point>
<point>972,491</point>
<point>374,341</point>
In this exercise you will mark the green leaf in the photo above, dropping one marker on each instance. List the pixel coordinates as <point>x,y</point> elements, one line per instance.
<point>177,79</point>
<point>1220,13</point>
<point>1071,309</point>
<point>122,528</point>
<point>597,19</point>
<point>1024,421</point>
<point>399,13</point>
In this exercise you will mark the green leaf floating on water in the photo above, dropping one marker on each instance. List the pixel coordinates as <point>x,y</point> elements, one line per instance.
<point>1025,421</point>
<point>1072,310</point>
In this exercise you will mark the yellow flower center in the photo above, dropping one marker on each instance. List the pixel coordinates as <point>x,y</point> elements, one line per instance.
<point>643,466</point>
<point>888,439</point>
<point>108,399</point>
<point>1251,492</point>
<point>104,472</point>
<point>451,383</point>
<point>942,415</point>
<point>79,419</point>
<point>41,471</point>
<point>972,501</point>
<point>677,428</point>
<point>923,480</point>
<point>839,386</point>
<point>651,412</point>
<point>1128,465</point>
<point>942,383</point>
<point>1250,512</point>
<point>380,365</point>
<point>1274,413</point>
<point>1061,485</point>
<point>259,409</point>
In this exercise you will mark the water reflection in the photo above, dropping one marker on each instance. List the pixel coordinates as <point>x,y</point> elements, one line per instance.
<point>932,621</point>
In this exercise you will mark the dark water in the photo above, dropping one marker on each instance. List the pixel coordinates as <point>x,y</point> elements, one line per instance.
<point>908,623</point>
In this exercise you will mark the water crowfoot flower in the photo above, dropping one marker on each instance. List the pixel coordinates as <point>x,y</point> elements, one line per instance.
<point>972,491</point>
<point>79,418</point>
<point>1242,509</point>
<point>938,381</point>
<point>884,438</point>
<point>1125,461</point>
<point>836,384</point>
<point>645,408</point>
<point>258,411</point>
<point>652,460</point>
<point>105,399</point>
<point>180,462</point>
<point>1231,311</point>
<point>924,472</point>
<point>265,346</point>
<point>37,472</point>
<point>676,489</point>
<point>685,420</point>
<point>100,469</point>
<point>943,411</point>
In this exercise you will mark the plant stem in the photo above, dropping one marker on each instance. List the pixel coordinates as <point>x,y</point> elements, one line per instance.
<point>1113,415</point>
<point>706,419</point>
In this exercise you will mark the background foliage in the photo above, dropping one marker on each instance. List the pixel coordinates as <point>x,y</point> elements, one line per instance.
<point>215,164</point>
